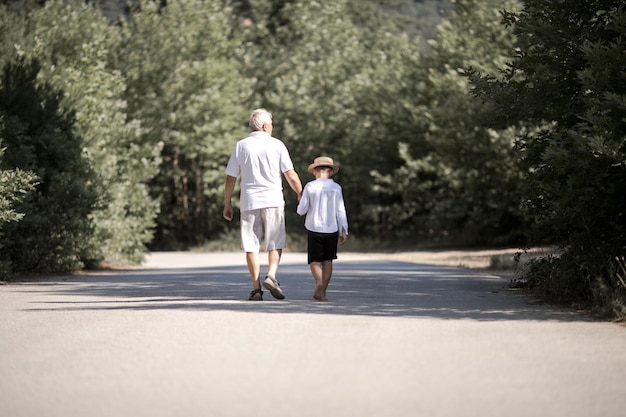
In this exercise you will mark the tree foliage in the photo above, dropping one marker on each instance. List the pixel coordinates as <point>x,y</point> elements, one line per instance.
<point>330,72</point>
<point>458,180</point>
<point>15,185</point>
<point>182,65</point>
<point>181,77</point>
<point>39,138</point>
<point>79,64</point>
<point>568,83</point>
<point>72,43</point>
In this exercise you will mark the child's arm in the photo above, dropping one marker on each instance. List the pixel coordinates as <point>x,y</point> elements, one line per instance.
<point>342,219</point>
<point>303,204</point>
<point>343,237</point>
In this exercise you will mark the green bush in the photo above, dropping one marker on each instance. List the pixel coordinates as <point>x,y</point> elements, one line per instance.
<point>14,187</point>
<point>38,138</point>
<point>566,88</point>
<point>76,46</point>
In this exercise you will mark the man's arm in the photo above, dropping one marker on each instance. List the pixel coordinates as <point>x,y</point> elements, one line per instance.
<point>294,181</point>
<point>229,187</point>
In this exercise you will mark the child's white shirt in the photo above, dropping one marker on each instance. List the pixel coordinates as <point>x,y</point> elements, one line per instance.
<point>322,202</point>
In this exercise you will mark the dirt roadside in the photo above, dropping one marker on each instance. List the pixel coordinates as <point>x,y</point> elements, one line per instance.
<point>496,261</point>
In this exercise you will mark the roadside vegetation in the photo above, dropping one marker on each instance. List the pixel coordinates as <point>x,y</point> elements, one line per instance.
<point>489,123</point>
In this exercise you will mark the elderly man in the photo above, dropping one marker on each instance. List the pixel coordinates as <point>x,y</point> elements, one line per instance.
<point>261,160</point>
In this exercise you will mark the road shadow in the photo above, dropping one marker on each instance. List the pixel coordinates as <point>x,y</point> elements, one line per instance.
<point>371,288</point>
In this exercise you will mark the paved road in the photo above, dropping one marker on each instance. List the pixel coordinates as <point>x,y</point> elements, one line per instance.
<point>396,339</point>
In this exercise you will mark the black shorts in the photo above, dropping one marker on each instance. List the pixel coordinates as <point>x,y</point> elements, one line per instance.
<point>322,246</point>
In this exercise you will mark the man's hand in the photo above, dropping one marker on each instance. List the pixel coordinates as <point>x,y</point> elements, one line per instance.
<point>343,237</point>
<point>228,212</point>
<point>229,186</point>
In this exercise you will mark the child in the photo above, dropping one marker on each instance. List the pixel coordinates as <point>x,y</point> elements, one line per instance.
<point>326,222</point>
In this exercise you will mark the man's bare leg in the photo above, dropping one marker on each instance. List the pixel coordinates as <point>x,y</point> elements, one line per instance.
<point>252,259</point>
<point>273,260</point>
<point>270,282</point>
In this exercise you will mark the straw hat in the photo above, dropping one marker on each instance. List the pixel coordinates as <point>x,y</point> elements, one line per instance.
<point>323,161</point>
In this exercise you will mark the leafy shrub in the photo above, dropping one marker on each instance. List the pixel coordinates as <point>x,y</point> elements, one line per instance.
<point>567,87</point>
<point>51,235</point>
<point>14,186</point>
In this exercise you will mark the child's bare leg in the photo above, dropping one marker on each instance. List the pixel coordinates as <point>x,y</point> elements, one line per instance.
<point>317,272</point>
<point>327,273</point>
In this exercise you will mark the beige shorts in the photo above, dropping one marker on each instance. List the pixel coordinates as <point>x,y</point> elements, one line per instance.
<point>266,222</point>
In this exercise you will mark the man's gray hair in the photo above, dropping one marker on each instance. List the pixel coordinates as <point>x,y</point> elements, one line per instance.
<point>258,118</point>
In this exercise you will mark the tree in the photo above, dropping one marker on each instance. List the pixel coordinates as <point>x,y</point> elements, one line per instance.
<point>77,44</point>
<point>458,180</point>
<point>567,83</point>
<point>182,67</point>
<point>326,71</point>
<point>39,137</point>
<point>12,28</point>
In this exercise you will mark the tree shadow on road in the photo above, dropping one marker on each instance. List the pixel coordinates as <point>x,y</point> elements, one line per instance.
<point>370,288</point>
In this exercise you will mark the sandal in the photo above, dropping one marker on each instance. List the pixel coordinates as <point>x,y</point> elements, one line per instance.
<point>256,295</point>
<point>273,287</point>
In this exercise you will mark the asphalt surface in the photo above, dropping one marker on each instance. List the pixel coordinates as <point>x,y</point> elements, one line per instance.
<point>178,338</point>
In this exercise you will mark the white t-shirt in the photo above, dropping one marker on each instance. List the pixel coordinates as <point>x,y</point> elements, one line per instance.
<point>261,160</point>
<point>322,202</point>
